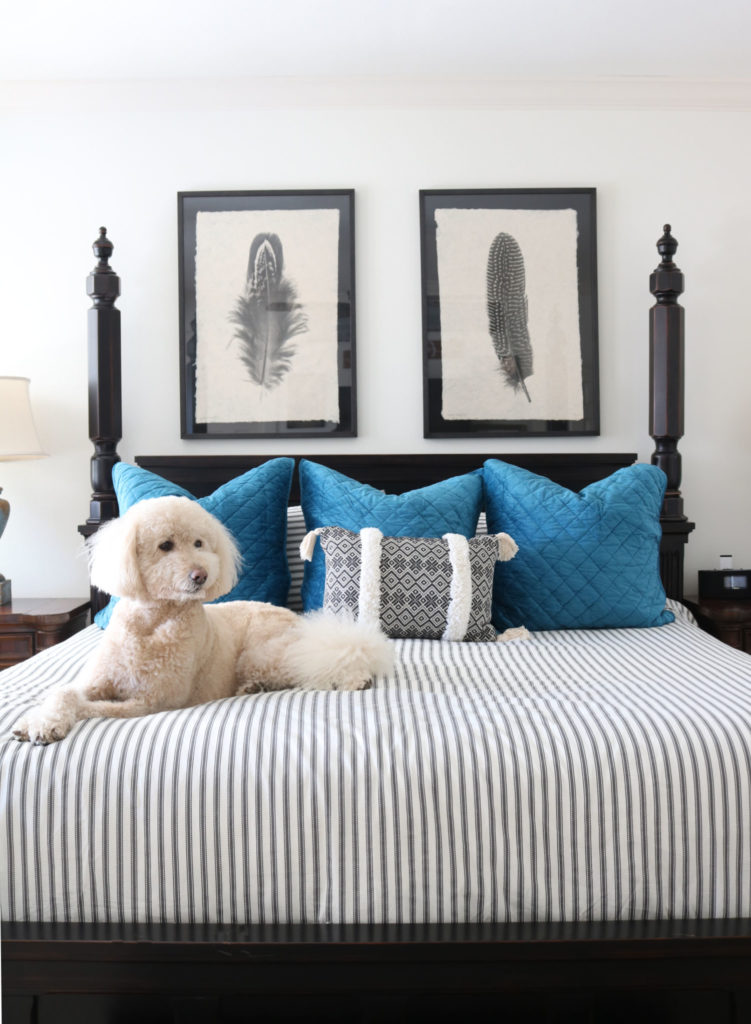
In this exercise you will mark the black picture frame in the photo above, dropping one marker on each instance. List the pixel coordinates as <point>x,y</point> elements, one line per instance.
<point>271,361</point>
<point>468,388</point>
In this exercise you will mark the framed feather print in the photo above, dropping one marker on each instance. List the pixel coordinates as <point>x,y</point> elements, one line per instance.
<point>267,314</point>
<point>509,306</point>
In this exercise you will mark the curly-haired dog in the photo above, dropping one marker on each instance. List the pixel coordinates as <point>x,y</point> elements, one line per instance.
<point>165,649</point>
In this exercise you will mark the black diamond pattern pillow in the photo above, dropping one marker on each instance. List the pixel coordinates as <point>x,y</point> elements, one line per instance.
<point>431,588</point>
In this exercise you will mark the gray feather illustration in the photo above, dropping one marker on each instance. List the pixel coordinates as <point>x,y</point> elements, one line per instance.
<point>267,315</point>
<point>507,311</point>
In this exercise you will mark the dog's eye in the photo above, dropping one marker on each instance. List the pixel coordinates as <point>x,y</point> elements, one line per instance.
<point>166,545</point>
<point>198,544</point>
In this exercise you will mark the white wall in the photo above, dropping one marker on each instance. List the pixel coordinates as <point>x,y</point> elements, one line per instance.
<point>71,160</point>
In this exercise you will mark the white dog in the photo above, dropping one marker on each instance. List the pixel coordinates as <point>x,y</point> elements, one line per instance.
<point>165,649</point>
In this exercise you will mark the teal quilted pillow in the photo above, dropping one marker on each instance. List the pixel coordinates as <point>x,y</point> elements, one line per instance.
<point>329,498</point>
<point>586,561</point>
<point>253,507</point>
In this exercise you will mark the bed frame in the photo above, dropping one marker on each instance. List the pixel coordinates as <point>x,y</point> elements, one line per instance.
<point>659,970</point>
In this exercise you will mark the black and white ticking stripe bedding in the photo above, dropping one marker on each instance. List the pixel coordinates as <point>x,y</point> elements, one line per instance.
<point>577,775</point>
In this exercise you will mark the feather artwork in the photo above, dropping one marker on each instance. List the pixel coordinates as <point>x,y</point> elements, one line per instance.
<point>507,311</point>
<point>267,314</point>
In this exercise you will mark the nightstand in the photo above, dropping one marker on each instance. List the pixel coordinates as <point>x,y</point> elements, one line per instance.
<point>30,625</point>
<point>731,619</point>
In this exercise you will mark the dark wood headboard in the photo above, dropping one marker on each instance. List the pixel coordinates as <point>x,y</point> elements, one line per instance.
<point>202,474</point>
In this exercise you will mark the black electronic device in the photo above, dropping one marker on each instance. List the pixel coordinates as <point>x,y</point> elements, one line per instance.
<point>730,584</point>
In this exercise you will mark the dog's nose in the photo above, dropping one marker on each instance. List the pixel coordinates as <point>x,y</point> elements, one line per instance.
<point>199,576</point>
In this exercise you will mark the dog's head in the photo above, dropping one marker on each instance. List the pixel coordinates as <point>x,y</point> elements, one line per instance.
<point>164,549</point>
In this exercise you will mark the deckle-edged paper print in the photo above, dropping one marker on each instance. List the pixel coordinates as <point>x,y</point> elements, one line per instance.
<point>510,338</point>
<point>266,316</point>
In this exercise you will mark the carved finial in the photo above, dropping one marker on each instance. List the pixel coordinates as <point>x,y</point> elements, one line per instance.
<point>103,284</point>
<point>103,250</point>
<point>666,246</point>
<point>666,280</point>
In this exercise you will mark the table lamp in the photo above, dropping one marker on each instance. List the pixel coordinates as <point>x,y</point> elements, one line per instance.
<point>18,440</point>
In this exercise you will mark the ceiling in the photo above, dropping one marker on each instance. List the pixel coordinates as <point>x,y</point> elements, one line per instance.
<point>171,39</point>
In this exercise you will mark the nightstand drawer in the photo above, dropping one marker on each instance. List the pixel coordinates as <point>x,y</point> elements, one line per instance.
<point>16,647</point>
<point>734,636</point>
<point>731,620</point>
<point>30,625</point>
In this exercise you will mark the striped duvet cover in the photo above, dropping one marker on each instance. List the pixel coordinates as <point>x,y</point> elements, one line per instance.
<point>573,776</point>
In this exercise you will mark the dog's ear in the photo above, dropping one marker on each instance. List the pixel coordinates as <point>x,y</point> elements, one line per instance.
<point>230,561</point>
<point>113,558</point>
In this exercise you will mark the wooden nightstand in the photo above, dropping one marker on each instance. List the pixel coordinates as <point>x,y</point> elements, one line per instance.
<point>30,625</point>
<point>731,619</point>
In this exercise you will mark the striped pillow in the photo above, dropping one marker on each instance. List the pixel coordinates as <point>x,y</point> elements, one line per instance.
<point>295,534</point>
<point>431,588</point>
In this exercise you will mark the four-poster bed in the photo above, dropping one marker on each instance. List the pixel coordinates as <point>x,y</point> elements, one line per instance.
<point>113,957</point>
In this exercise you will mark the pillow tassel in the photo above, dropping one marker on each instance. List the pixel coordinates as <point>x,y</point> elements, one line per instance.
<point>307,545</point>
<point>507,547</point>
<point>513,633</point>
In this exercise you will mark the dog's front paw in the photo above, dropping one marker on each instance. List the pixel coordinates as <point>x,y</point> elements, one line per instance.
<point>352,684</point>
<point>336,683</point>
<point>21,729</point>
<point>252,686</point>
<point>40,728</point>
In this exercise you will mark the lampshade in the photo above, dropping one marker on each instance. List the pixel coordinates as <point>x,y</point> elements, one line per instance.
<point>18,436</point>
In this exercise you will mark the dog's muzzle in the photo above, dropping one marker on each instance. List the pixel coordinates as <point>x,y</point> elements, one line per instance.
<point>197,578</point>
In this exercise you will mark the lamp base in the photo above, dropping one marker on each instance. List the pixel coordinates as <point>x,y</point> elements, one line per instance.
<point>4,584</point>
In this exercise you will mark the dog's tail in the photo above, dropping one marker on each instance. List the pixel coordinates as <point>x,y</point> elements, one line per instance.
<point>335,652</point>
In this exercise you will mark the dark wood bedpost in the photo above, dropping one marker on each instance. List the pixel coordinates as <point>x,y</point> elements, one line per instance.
<point>105,399</point>
<point>666,404</point>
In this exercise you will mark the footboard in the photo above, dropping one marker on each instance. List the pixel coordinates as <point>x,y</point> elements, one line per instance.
<point>696,971</point>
